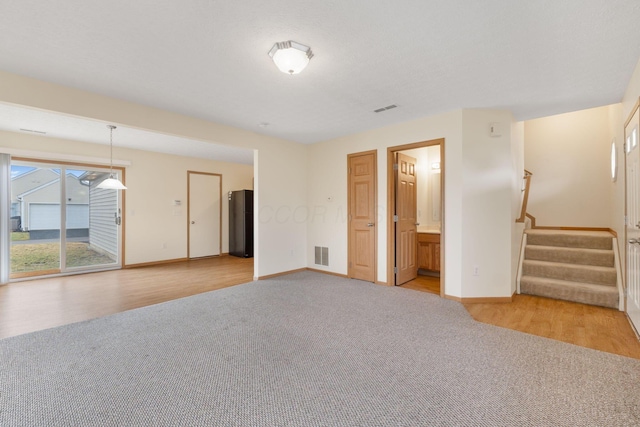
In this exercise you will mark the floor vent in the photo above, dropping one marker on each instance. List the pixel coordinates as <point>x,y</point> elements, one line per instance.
<point>322,256</point>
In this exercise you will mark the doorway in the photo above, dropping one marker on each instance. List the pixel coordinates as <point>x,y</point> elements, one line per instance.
<point>421,256</point>
<point>61,222</point>
<point>632,178</point>
<point>204,214</point>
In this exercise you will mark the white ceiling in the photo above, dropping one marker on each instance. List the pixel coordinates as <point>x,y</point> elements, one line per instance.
<point>208,58</point>
<point>36,122</point>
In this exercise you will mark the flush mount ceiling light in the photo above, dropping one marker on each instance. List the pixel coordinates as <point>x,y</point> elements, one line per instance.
<point>290,57</point>
<point>111,183</point>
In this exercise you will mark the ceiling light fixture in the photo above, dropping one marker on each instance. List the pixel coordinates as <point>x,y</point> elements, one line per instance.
<point>290,57</point>
<point>111,183</point>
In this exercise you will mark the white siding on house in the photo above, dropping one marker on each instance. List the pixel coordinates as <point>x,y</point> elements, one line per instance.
<point>46,216</point>
<point>33,179</point>
<point>103,230</point>
<point>77,216</point>
<point>43,216</point>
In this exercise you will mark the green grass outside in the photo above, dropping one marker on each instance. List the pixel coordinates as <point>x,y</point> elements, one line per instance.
<point>46,256</point>
<point>17,236</point>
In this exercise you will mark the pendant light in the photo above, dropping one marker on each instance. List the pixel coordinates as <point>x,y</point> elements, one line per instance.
<point>111,183</point>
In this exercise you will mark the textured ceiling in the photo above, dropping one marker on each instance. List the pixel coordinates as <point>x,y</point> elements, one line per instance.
<point>36,122</point>
<point>208,58</point>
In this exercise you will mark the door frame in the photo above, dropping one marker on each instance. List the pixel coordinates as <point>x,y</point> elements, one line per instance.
<point>122,229</point>
<point>634,110</point>
<point>391,200</point>
<point>375,203</point>
<point>189,172</point>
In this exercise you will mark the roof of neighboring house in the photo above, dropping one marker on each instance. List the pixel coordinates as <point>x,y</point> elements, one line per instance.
<point>34,186</point>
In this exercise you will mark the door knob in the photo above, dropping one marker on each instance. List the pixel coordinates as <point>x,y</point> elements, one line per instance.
<point>632,241</point>
<point>417,224</point>
<point>193,222</point>
<point>370,224</point>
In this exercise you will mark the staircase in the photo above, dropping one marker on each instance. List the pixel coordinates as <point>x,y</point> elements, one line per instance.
<point>570,265</point>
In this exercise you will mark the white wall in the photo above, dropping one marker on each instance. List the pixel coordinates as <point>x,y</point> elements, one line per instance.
<point>426,179</point>
<point>281,168</point>
<point>517,161</point>
<point>617,188</point>
<point>632,93</point>
<point>156,230</point>
<point>478,176</point>
<point>568,155</point>
<point>487,221</point>
<point>301,190</point>
<point>327,189</point>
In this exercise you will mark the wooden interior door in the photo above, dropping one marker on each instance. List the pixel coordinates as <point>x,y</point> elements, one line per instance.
<point>205,214</point>
<point>362,216</point>
<point>406,218</point>
<point>632,151</point>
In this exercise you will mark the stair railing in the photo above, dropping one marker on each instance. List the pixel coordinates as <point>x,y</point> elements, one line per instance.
<point>526,184</point>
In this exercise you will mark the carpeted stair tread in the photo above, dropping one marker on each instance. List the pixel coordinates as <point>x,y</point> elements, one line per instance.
<point>571,272</point>
<point>585,293</point>
<point>570,238</point>
<point>599,257</point>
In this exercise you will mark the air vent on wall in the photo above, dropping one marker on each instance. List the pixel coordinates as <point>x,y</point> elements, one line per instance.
<point>322,256</point>
<point>388,107</point>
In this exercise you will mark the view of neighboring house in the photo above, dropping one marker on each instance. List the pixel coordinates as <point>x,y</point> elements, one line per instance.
<point>36,208</point>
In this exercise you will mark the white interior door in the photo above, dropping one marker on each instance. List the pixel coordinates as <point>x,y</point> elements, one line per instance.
<point>205,214</point>
<point>632,150</point>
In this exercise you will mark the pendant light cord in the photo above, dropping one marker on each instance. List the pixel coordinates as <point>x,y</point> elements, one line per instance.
<point>111,151</point>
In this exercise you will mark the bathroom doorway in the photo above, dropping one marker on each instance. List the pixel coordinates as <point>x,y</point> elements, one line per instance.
<point>416,232</point>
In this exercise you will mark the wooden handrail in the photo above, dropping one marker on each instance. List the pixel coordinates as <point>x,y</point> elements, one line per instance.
<point>533,220</point>
<point>525,198</point>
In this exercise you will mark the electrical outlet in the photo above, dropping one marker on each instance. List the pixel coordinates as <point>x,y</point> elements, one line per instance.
<point>476,270</point>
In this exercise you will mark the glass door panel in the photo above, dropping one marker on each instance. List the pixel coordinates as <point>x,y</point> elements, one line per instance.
<point>35,219</point>
<point>91,220</point>
<point>61,221</point>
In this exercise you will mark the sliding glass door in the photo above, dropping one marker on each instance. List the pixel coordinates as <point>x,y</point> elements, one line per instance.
<point>61,221</point>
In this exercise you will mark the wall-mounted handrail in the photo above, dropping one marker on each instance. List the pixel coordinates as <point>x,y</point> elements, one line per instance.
<point>525,197</point>
<point>532,219</point>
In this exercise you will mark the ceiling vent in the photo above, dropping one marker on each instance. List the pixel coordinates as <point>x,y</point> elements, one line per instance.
<point>388,107</point>
<point>33,131</point>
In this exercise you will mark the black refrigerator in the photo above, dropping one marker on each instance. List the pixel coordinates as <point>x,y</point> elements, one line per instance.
<point>241,223</point>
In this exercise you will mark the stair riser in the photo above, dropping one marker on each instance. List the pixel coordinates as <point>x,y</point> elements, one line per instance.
<point>604,300</point>
<point>570,256</point>
<point>585,242</point>
<point>574,274</point>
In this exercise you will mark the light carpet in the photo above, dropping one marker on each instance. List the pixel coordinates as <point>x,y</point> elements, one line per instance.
<point>308,350</point>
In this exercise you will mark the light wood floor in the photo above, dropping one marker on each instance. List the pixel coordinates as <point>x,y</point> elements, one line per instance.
<point>598,328</point>
<point>425,284</point>
<point>40,304</point>
<point>44,303</point>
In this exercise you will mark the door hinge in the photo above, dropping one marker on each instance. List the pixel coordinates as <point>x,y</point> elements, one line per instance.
<point>395,166</point>
<point>395,218</point>
<point>626,220</point>
<point>395,270</point>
